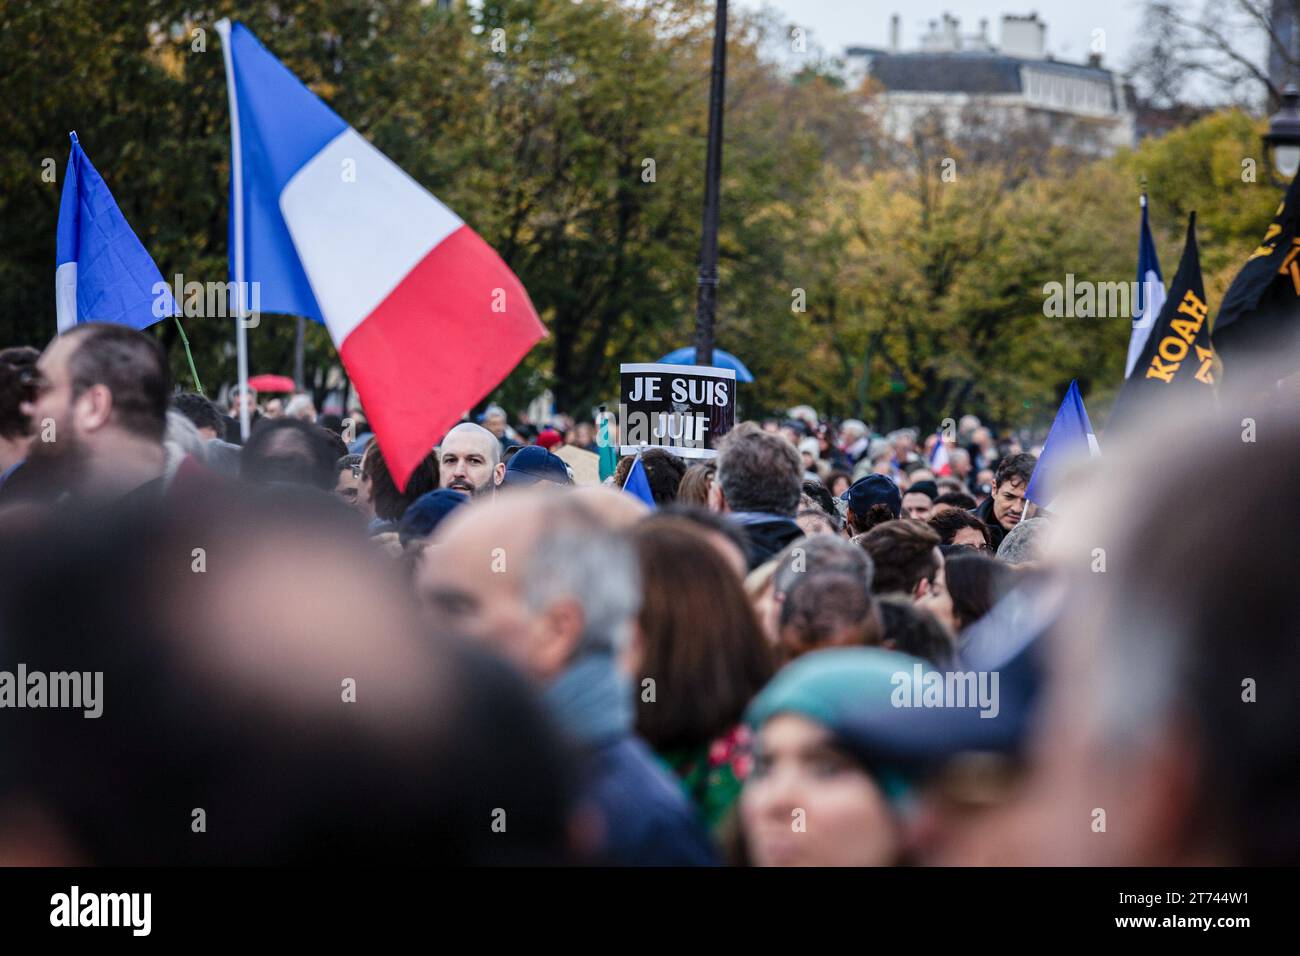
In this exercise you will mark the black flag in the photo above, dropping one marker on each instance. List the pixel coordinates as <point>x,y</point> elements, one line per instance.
<point>1178,353</point>
<point>1260,314</point>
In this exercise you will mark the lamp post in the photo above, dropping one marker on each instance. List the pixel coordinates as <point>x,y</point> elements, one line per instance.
<point>1283,136</point>
<point>706,302</point>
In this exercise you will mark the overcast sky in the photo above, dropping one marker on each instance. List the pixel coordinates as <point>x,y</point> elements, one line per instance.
<point>835,24</point>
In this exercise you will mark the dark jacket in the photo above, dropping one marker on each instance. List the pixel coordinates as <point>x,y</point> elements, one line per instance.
<point>996,532</point>
<point>223,457</point>
<point>648,820</point>
<point>767,537</point>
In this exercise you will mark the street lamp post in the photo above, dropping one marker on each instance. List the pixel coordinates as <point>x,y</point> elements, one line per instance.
<point>706,303</point>
<point>1283,136</point>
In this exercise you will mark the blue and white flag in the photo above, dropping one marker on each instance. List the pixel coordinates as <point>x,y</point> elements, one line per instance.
<point>1150,292</point>
<point>637,484</point>
<point>1070,440</point>
<point>104,274</point>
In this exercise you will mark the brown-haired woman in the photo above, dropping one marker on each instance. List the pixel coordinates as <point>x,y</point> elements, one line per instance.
<point>699,659</point>
<point>694,487</point>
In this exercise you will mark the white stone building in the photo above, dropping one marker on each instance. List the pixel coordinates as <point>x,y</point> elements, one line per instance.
<point>960,77</point>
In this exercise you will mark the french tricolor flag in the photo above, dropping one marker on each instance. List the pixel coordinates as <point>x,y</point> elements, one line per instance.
<point>940,464</point>
<point>426,317</point>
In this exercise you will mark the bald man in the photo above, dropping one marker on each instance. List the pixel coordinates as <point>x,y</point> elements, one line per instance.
<point>469,460</point>
<point>616,508</point>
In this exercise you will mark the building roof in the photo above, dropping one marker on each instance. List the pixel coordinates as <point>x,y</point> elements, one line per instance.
<point>964,72</point>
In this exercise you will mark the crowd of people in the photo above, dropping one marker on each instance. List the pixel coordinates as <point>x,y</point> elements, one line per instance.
<point>821,646</point>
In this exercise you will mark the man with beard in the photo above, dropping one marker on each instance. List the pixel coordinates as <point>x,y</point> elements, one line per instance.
<point>469,460</point>
<point>98,405</point>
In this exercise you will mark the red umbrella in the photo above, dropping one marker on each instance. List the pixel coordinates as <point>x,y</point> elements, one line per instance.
<point>272,383</point>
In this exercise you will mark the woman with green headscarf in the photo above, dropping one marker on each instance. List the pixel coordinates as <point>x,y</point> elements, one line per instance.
<point>815,795</point>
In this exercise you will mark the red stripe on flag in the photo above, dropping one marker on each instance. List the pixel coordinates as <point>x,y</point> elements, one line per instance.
<point>433,348</point>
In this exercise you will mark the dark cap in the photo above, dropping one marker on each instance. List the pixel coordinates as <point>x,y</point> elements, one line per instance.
<point>925,487</point>
<point>425,513</point>
<point>533,464</point>
<point>873,490</point>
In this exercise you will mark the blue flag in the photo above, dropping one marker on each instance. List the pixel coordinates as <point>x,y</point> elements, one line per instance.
<point>1150,292</point>
<point>637,484</point>
<point>1070,439</point>
<point>104,274</point>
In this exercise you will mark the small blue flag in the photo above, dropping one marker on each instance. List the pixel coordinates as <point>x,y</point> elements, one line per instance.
<point>1070,439</point>
<point>104,274</point>
<point>637,484</point>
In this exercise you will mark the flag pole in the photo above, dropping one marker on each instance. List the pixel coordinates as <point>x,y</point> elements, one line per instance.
<point>237,225</point>
<point>629,471</point>
<point>298,331</point>
<point>185,341</point>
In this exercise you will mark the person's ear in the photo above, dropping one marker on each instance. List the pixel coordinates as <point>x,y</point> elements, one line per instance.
<point>93,408</point>
<point>499,473</point>
<point>560,630</point>
<point>921,590</point>
<point>717,500</point>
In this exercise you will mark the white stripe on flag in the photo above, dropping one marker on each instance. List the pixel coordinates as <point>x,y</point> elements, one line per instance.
<point>65,296</point>
<point>360,225</point>
<point>1153,292</point>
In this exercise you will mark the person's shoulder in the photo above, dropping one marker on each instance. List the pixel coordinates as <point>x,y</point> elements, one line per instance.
<point>631,756</point>
<point>774,526</point>
<point>223,456</point>
<point>656,824</point>
<point>194,478</point>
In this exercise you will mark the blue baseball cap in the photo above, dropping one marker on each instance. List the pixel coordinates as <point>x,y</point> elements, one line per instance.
<point>873,490</point>
<point>423,515</point>
<point>533,464</point>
